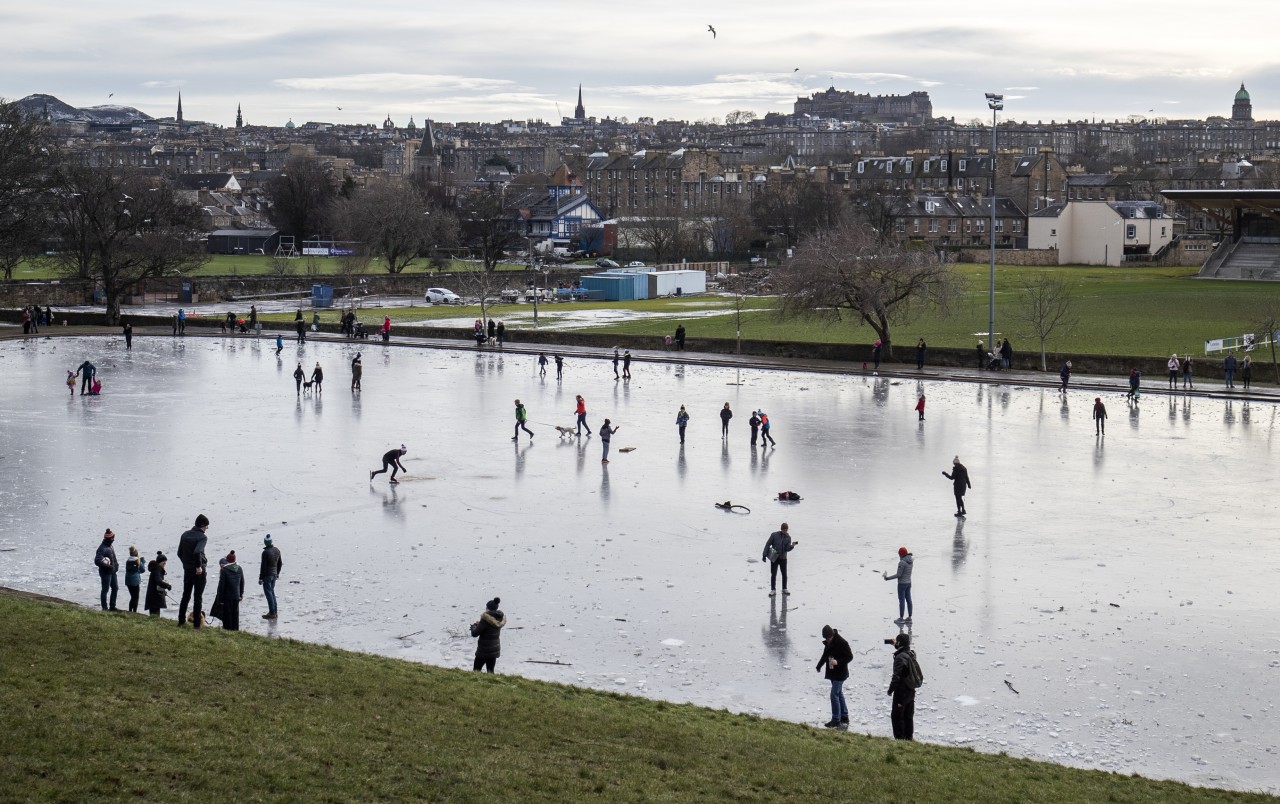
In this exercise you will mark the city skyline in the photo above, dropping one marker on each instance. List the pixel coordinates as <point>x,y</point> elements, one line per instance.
<point>346,66</point>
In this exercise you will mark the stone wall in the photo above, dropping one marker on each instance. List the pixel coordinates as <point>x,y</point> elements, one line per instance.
<point>64,293</point>
<point>1009,256</point>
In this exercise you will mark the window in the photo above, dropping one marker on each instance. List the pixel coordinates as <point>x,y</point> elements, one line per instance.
<point>861,165</point>
<point>959,184</point>
<point>951,224</point>
<point>1017,227</point>
<point>915,225</point>
<point>1053,232</point>
<point>962,164</point>
<point>933,224</point>
<point>980,225</point>
<point>944,164</point>
<point>900,226</point>
<point>1162,228</point>
<point>1000,224</point>
<point>1130,231</point>
<point>968,226</point>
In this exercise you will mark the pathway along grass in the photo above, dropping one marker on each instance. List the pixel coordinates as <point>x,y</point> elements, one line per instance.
<point>99,706</point>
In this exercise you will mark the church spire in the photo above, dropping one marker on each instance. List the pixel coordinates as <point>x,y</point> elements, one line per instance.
<point>579,111</point>
<point>179,108</point>
<point>239,117</point>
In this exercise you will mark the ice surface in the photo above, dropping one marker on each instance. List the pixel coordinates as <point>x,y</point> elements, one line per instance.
<point>624,575</point>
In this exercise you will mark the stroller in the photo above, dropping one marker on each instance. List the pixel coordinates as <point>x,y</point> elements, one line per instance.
<point>359,331</point>
<point>993,361</point>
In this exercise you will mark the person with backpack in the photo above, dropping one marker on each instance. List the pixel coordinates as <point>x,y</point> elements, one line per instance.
<point>836,655</point>
<point>775,552</point>
<point>765,427</point>
<point>905,562</point>
<point>105,560</point>
<point>907,678</point>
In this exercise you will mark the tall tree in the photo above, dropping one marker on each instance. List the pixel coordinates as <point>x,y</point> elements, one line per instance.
<point>123,229</point>
<point>1045,308</point>
<point>847,271</point>
<point>794,206</point>
<point>301,197</point>
<point>25,162</point>
<point>392,222</point>
<point>488,225</point>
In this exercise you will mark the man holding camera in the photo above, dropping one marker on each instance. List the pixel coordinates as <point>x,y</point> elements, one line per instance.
<point>903,688</point>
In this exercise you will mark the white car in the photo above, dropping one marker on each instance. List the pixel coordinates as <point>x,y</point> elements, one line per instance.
<point>442,296</point>
<point>635,264</point>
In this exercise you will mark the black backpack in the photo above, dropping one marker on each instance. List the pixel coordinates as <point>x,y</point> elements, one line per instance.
<point>914,674</point>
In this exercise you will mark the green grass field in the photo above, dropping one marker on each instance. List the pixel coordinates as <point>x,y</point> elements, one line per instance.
<point>122,707</point>
<point>258,265</point>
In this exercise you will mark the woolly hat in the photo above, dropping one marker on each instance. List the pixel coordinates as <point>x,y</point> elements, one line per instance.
<point>266,539</point>
<point>903,641</point>
<point>202,521</point>
<point>231,557</point>
<point>902,551</point>
<point>109,535</point>
<point>827,631</point>
<point>492,605</point>
<point>222,562</point>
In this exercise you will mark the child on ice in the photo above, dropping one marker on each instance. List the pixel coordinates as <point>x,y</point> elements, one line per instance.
<point>920,407</point>
<point>71,382</point>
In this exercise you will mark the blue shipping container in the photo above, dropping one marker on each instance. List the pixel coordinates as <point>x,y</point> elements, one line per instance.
<point>618,286</point>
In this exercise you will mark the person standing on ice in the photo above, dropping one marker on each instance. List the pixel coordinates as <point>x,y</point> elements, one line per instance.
<point>959,478</point>
<point>488,633</point>
<point>615,363</point>
<point>626,364</point>
<point>1099,417</point>
<point>725,416</point>
<point>1187,385</point>
<point>268,573</point>
<point>108,568</point>
<point>765,427</point>
<point>754,422</point>
<point>191,553</point>
<point>230,592</point>
<point>581,413</point>
<point>357,371</point>
<point>920,407</point>
<point>391,461</point>
<point>1064,374</point>
<point>682,421</point>
<point>559,368</point>
<point>300,326</point>
<point>1173,371</point>
<point>298,376</point>
<point>905,562</point>
<point>902,688</point>
<point>775,552</point>
<point>606,432</point>
<point>836,655</point>
<point>86,371</point>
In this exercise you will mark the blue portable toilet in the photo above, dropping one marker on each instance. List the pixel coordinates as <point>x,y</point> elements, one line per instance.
<point>321,295</point>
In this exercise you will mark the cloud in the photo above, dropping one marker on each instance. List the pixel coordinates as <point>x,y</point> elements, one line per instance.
<point>169,84</point>
<point>391,83</point>
<point>1021,89</point>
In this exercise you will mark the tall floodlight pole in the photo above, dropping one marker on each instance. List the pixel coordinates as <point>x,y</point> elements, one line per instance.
<point>995,103</point>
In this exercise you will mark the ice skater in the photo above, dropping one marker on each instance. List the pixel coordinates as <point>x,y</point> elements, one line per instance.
<point>86,371</point>
<point>317,378</point>
<point>391,460</point>
<point>522,416</point>
<point>298,376</point>
<point>626,364</point>
<point>682,421</point>
<point>959,478</point>
<point>581,413</point>
<point>725,416</point>
<point>488,633</point>
<point>920,407</point>
<point>775,552</point>
<point>1099,417</point>
<point>606,432</point>
<point>765,427</point>
<point>905,561</point>
<point>357,370</point>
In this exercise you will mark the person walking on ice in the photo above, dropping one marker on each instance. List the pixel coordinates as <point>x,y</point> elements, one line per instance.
<point>1064,374</point>
<point>521,418</point>
<point>559,368</point>
<point>905,561</point>
<point>542,364</point>
<point>581,413</point>
<point>298,376</point>
<point>1099,417</point>
<point>959,478</point>
<point>920,407</point>
<point>765,427</point>
<point>86,371</point>
<point>279,344</point>
<point>775,552</point>
<point>391,460</point>
<point>682,421</point>
<point>317,377</point>
<point>626,365</point>
<point>606,432</point>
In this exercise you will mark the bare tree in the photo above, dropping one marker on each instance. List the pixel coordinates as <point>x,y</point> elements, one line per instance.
<point>1266,320</point>
<point>301,197</point>
<point>847,271</point>
<point>788,210</point>
<point>487,225</point>
<point>25,172</point>
<point>729,230</point>
<point>664,236</point>
<point>391,220</point>
<point>126,228</point>
<point>1045,307</point>
<point>486,285</point>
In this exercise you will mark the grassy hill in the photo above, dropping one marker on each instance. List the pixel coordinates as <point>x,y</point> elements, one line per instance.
<point>113,706</point>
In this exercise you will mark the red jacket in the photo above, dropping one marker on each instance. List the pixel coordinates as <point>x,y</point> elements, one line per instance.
<point>920,404</point>
<point>582,406</point>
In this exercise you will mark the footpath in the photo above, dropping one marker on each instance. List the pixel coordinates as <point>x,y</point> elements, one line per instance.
<point>1152,385</point>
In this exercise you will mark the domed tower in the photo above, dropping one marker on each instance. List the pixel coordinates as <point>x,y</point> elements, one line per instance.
<point>1242,109</point>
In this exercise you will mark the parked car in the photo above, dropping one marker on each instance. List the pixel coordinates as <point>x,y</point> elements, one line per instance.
<point>635,264</point>
<point>605,262</point>
<point>442,296</point>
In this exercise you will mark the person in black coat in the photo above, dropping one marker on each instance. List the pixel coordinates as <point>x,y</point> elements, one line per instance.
<point>959,478</point>
<point>226,603</point>
<point>108,567</point>
<point>680,337</point>
<point>156,585</point>
<point>488,631</point>
<point>191,553</point>
<point>903,690</point>
<point>836,655</point>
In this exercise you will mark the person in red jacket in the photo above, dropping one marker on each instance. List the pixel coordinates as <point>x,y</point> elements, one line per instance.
<point>920,407</point>
<point>581,411</point>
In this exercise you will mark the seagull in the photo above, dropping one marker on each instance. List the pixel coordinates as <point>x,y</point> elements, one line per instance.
<point>127,197</point>
<point>796,70</point>
<point>128,213</point>
<point>339,108</point>
<point>111,94</point>
<point>712,30</point>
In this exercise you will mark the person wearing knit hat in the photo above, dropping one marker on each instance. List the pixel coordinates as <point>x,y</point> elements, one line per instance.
<point>836,655</point>
<point>905,561</point>
<point>156,585</point>
<point>488,633</point>
<point>226,603</point>
<point>391,460</point>
<point>267,574</point>
<point>133,578</point>
<point>1099,417</point>
<point>105,560</point>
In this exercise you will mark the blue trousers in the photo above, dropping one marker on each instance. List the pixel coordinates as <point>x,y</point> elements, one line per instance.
<point>269,589</point>
<point>904,599</point>
<point>839,711</point>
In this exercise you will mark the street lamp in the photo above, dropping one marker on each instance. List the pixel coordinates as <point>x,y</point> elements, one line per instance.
<point>995,103</point>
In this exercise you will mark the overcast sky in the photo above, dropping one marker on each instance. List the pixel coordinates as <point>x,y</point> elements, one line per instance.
<point>496,59</point>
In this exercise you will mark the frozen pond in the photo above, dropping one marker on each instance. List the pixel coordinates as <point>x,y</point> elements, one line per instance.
<point>627,574</point>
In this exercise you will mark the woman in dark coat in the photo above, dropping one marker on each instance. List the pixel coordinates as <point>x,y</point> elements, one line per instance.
<point>488,630</point>
<point>226,604</point>
<point>959,478</point>
<point>156,586</point>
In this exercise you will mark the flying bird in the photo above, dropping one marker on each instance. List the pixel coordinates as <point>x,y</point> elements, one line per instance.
<point>111,94</point>
<point>796,70</point>
<point>127,197</point>
<point>712,29</point>
<point>339,108</point>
